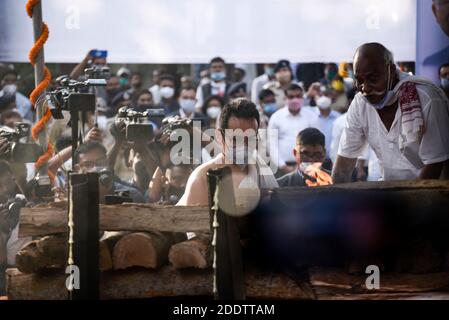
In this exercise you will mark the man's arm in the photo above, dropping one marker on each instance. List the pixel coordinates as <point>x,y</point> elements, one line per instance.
<point>79,69</point>
<point>343,169</point>
<point>433,171</point>
<point>196,190</point>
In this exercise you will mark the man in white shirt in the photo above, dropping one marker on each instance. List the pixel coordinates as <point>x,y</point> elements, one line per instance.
<point>218,86</point>
<point>405,119</point>
<point>260,81</point>
<point>326,120</point>
<point>288,122</point>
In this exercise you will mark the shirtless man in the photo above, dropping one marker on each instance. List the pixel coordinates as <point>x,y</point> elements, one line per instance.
<point>248,171</point>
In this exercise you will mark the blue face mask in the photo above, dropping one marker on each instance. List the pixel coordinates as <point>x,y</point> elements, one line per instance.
<point>445,84</point>
<point>389,94</point>
<point>270,108</point>
<point>218,76</point>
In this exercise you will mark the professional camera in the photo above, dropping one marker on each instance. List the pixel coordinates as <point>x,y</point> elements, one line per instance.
<point>97,72</point>
<point>138,126</point>
<point>20,151</point>
<point>10,212</point>
<point>68,97</point>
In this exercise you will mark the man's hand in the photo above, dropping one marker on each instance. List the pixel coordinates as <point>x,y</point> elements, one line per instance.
<point>94,135</point>
<point>314,90</point>
<point>343,169</point>
<point>118,131</point>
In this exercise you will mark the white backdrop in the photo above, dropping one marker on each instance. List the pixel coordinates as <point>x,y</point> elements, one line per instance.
<point>193,31</point>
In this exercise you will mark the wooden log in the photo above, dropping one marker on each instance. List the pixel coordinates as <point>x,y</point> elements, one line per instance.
<point>47,252</point>
<point>50,252</point>
<point>149,250</point>
<point>49,219</point>
<point>144,283</point>
<point>193,253</point>
<point>341,282</point>
<point>107,243</point>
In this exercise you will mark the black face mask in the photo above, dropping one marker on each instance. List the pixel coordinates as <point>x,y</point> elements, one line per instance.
<point>173,194</point>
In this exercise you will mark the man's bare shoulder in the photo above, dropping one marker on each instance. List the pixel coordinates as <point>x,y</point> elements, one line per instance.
<point>196,189</point>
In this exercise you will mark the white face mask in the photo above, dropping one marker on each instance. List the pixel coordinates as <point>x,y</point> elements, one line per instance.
<point>324,103</point>
<point>389,93</point>
<point>10,89</point>
<point>167,92</point>
<point>188,105</point>
<point>240,155</point>
<point>213,112</point>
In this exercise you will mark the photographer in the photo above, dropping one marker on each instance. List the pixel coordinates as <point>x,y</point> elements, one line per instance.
<point>10,203</point>
<point>92,157</point>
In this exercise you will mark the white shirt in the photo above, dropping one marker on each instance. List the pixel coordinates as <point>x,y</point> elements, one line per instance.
<point>217,89</point>
<point>288,126</point>
<point>257,87</point>
<point>365,126</point>
<point>337,131</point>
<point>155,93</point>
<point>325,125</point>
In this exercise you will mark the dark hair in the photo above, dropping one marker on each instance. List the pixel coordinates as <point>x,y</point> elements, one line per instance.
<point>239,108</point>
<point>9,71</point>
<point>5,168</point>
<point>188,88</point>
<point>311,136</point>
<point>292,87</point>
<point>265,93</point>
<point>217,59</point>
<point>206,102</point>
<point>9,114</point>
<point>136,73</point>
<point>88,147</point>
<point>167,76</point>
<point>141,93</point>
<point>446,65</point>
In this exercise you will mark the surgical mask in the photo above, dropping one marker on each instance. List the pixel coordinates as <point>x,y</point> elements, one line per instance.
<point>124,81</point>
<point>213,112</point>
<point>295,104</point>
<point>270,108</point>
<point>188,105</point>
<point>240,155</point>
<point>167,92</point>
<point>269,71</point>
<point>304,165</point>
<point>10,89</point>
<point>324,102</point>
<point>445,84</point>
<point>218,76</point>
<point>389,97</point>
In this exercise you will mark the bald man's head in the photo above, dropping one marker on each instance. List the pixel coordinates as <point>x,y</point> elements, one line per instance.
<point>374,71</point>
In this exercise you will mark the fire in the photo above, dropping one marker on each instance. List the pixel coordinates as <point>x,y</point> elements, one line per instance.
<point>315,177</point>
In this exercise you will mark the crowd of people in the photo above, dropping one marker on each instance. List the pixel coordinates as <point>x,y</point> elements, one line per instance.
<point>366,120</point>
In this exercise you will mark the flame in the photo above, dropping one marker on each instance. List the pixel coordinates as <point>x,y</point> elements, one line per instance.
<point>316,177</point>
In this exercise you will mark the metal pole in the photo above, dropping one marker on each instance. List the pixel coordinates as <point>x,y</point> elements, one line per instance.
<point>38,76</point>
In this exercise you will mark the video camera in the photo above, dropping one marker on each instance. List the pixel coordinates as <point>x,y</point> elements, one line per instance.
<point>10,212</point>
<point>138,127</point>
<point>68,96</point>
<point>23,152</point>
<point>97,72</point>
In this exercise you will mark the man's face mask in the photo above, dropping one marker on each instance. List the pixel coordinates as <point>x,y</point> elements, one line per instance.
<point>445,84</point>
<point>388,94</point>
<point>218,76</point>
<point>167,92</point>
